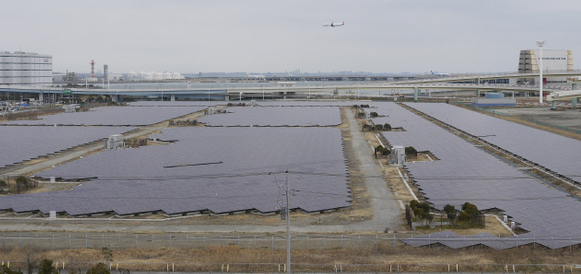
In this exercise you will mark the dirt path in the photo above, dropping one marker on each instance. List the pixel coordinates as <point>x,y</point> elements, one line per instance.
<point>386,210</point>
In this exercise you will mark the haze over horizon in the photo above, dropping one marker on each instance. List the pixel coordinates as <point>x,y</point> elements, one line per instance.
<point>260,36</point>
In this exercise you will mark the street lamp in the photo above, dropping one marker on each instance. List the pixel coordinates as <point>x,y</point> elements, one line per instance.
<point>541,43</point>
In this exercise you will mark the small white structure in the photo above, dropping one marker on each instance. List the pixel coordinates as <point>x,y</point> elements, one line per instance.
<point>210,111</point>
<point>399,155</point>
<point>70,108</point>
<point>115,141</point>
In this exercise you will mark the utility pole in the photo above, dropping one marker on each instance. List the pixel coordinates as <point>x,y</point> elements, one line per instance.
<point>541,43</point>
<point>288,237</point>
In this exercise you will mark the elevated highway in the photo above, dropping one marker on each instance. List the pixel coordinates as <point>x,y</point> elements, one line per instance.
<point>415,86</point>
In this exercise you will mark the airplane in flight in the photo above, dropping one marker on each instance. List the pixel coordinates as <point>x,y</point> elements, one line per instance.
<point>332,24</point>
<point>440,73</point>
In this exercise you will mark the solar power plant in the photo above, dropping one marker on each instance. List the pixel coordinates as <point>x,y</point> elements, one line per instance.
<point>465,173</point>
<point>219,170</point>
<point>555,152</point>
<point>26,143</point>
<point>111,116</point>
<point>275,116</point>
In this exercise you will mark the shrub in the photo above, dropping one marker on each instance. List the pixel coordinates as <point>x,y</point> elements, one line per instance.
<point>387,127</point>
<point>411,151</point>
<point>47,267</point>
<point>21,184</point>
<point>450,212</point>
<point>464,217</point>
<point>100,268</point>
<point>5,270</point>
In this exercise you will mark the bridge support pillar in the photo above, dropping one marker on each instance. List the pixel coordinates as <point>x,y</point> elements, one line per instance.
<point>554,105</point>
<point>115,98</point>
<point>172,97</point>
<point>574,102</point>
<point>226,98</point>
<point>478,93</point>
<point>41,97</point>
<point>478,80</point>
<point>416,93</point>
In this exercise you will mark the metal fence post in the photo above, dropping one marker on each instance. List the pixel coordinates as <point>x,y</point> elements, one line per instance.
<point>341,241</point>
<point>254,241</point>
<point>271,242</point>
<point>393,241</point>
<point>307,241</point>
<point>36,240</point>
<point>324,242</point>
<point>103,240</point>
<point>69,240</point>
<point>152,241</point>
<point>119,241</point>
<point>53,242</point>
<point>19,240</point>
<point>136,236</point>
<point>169,241</point>
<point>86,240</point>
<point>204,241</point>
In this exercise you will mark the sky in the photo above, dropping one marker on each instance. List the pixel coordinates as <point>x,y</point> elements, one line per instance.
<point>260,36</point>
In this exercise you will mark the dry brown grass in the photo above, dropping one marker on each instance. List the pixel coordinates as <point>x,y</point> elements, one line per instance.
<point>263,260</point>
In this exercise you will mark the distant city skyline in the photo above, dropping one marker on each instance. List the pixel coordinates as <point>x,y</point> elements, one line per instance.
<point>260,36</point>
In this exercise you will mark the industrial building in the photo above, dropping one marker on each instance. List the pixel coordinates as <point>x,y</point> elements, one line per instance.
<point>553,61</point>
<point>25,68</point>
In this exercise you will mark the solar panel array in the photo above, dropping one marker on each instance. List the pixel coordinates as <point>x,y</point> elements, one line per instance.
<point>203,104</point>
<point>220,170</point>
<point>26,143</point>
<point>111,116</point>
<point>465,173</point>
<point>555,152</point>
<point>275,116</point>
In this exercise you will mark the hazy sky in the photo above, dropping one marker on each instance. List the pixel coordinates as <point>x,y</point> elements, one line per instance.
<point>276,36</point>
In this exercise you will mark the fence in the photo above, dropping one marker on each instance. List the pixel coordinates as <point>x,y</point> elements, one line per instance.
<point>57,241</point>
<point>141,267</point>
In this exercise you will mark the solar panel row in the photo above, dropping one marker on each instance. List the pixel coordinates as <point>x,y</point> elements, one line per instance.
<point>465,173</point>
<point>217,169</point>
<point>275,116</point>
<point>111,116</point>
<point>550,150</point>
<point>26,143</point>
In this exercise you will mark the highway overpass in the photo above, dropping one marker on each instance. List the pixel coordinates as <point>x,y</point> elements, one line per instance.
<point>416,87</point>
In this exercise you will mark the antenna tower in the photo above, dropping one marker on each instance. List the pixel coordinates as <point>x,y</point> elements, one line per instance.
<point>92,68</point>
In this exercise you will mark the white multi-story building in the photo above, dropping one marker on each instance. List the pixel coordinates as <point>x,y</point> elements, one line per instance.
<point>25,68</point>
<point>553,61</point>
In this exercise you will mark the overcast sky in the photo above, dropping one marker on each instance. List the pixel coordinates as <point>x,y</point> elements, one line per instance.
<point>276,36</point>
